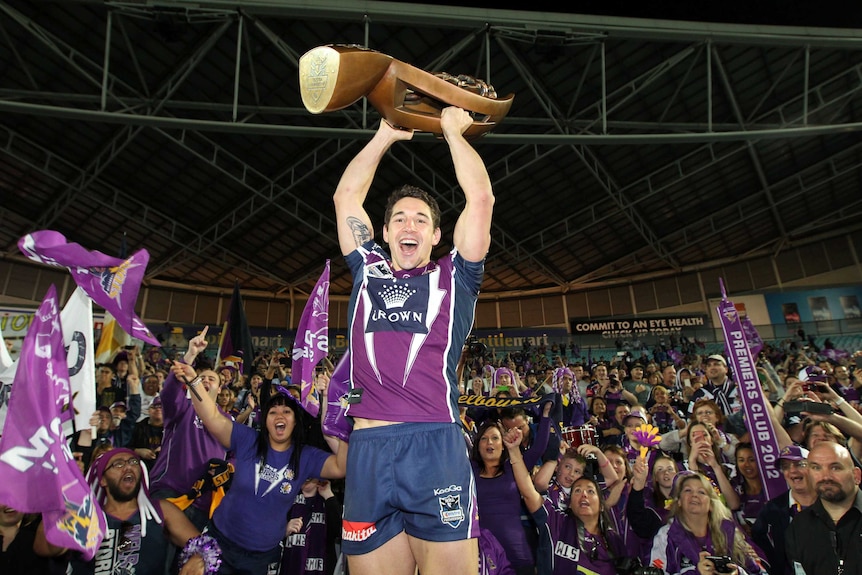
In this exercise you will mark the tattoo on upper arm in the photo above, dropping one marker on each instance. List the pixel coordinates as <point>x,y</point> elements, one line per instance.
<point>361,234</point>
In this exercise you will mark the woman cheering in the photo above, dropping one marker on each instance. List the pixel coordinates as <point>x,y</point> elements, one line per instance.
<point>581,538</point>
<point>271,466</point>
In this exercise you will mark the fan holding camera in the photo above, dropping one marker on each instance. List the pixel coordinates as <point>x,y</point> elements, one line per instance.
<point>813,397</point>
<point>701,535</point>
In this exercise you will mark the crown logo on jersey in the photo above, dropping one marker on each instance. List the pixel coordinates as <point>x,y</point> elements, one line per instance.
<point>394,296</point>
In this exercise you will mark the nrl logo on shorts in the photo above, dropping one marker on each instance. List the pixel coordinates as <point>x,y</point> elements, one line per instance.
<point>450,510</point>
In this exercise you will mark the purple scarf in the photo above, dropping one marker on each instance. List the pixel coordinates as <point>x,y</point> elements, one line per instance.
<point>757,418</point>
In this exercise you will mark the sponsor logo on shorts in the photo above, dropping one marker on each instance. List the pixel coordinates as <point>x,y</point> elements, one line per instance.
<point>445,490</point>
<point>357,530</point>
<point>451,512</point>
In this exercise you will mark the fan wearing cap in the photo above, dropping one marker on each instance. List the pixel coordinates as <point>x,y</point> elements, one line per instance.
<point>148,434</point>
<point>719,387</point>
<point>771,525</point>
<point>138,528</point>
<point>270,466</point>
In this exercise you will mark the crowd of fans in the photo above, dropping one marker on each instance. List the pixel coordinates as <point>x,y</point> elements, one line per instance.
<point>561,478</point>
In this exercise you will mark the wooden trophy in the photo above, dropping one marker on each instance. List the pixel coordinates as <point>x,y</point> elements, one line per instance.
<point>335,76</point>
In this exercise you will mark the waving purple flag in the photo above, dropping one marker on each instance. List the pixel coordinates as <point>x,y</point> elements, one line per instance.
<point>37,472</point>
<point>111,282</point>
<point>336,423</point>
<point>312,341</point>
<point>755,343</point>
<point>757,419</point>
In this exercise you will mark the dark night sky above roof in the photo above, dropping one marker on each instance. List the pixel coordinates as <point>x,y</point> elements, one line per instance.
<point>757,12</point>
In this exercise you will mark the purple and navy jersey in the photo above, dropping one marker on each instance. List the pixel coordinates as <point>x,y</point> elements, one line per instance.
<point>187,446</point>
<point>407,330</point>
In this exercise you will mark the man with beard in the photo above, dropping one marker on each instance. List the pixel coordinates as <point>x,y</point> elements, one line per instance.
<point>719,387</point>
<point>136,539</point>
<point>825,537</point>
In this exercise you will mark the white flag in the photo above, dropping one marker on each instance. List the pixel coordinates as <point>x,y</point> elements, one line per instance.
<point>77,321</point>
<point>7,375</point>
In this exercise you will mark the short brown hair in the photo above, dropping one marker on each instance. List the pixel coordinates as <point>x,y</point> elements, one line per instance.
<point>408,191</point>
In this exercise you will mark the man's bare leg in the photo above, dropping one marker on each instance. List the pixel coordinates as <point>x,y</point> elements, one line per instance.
<point>401,555</point>
<point>446,557</point>
<point>392,558</point>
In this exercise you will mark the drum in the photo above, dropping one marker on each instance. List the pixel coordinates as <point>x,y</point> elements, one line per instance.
<point>577,436</point>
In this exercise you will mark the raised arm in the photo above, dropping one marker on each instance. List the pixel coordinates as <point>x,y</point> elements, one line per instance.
<point>472,235</point>
<point>532,498</point>
<point>218,424</point>
<point>354,225</point>
<point>196,345</point>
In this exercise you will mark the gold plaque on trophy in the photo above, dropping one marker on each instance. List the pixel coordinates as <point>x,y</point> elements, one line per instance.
<point>335,76</point>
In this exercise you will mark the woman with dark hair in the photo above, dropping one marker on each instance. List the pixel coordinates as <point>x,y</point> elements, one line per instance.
<point>580,538</point>
<point>498,499</point>
<point>700,526</point>
<point>749,486</point>
<point>270,467</point>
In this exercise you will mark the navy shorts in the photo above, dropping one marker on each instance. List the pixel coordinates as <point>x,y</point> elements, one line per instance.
<point>411,477</point>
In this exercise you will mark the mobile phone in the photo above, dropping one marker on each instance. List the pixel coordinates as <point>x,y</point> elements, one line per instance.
<point>807,406</point>
<point>721,562</point>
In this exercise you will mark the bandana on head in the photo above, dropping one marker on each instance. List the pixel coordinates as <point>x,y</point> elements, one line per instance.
<point>504,371</point>
<point>559,373</point>
<point>145,507</point>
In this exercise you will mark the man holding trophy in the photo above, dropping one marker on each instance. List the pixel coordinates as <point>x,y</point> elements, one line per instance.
<point>410,496</point>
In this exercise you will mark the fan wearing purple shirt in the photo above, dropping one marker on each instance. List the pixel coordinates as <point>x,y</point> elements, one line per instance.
<point>409,317</point>
<point>270,466</point>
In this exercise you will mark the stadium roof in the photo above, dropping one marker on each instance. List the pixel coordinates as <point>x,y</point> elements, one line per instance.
<point>635,147</point>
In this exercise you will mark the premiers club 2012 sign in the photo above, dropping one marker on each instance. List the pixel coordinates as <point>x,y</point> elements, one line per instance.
<point>624,327</point>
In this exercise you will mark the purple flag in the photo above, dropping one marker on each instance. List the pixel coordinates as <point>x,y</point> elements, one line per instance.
<point>755,343</point>
<point>336,423</point>
<point>37,471</point>
<point>835,355</point>
<point>111,282</point>
<point>757,419</point>
<point>312,341</point>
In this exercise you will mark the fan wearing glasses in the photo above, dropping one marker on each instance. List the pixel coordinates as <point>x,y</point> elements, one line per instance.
<point>771,526</point>
<point>138,529</point>
<point>271,464</point>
